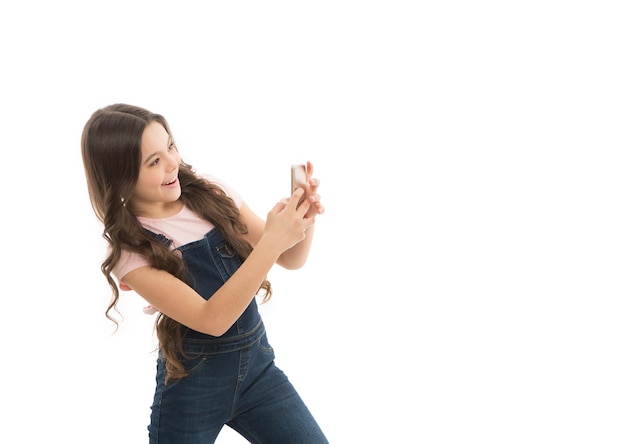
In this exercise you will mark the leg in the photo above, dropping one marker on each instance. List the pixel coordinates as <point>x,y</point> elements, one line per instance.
<point>193,410</point>
<point>273,412</point>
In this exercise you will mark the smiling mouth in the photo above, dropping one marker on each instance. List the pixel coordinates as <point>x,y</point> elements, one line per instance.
<point>171,181</point>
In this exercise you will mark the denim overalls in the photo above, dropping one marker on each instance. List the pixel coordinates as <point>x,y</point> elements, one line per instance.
<point>232,378</point>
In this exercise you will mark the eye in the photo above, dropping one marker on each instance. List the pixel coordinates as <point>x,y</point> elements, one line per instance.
<point>155,162</point>
<point>172,147</point>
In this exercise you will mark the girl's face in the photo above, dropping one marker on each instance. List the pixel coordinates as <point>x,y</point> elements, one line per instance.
<point>158,189</point>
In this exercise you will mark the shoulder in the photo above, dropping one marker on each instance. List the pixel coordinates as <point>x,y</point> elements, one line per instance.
<point>128,262</point>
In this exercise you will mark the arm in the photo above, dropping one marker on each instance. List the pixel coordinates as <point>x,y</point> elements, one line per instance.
<point>285,227</point>
<point>296,256</point>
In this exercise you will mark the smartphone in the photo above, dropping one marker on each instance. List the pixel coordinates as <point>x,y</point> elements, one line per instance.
<point>298,178</point>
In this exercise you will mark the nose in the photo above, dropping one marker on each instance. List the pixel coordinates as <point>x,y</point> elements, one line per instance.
<point>172,162</point>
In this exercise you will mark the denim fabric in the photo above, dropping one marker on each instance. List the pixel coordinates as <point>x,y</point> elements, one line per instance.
<point>232,378</point>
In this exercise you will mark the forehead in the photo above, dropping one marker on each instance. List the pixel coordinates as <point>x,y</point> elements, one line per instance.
<point>154,138</point>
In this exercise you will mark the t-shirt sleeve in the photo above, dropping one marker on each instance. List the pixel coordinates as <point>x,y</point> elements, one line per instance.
<point>129,261</point>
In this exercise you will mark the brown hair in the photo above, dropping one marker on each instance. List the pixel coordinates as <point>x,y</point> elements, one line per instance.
<point>111,151</point>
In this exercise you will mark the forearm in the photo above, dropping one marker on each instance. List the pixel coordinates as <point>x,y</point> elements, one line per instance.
<point>231,300</point>
<point>296,256</point>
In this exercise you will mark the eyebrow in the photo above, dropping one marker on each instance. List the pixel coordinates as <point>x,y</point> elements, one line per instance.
<point>156,153</point>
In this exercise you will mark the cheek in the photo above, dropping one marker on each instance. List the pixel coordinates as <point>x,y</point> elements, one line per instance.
<point>147,180</point>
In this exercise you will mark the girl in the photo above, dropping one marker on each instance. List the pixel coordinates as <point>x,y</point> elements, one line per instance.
<point>197,253</point>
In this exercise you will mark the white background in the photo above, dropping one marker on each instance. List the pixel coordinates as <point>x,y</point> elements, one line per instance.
<point>467,281</point>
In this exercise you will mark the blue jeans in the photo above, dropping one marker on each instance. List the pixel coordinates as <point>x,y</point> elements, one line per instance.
<point>232,379</point>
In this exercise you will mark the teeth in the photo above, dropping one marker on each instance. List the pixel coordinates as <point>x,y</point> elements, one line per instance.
<point>170,182</point>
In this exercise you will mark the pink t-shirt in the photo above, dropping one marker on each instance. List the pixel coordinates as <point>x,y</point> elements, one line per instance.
<point>181,228</point>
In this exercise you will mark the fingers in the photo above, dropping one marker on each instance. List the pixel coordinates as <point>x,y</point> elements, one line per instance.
<point>314,183</point>
<point>313,199</point>
<point>302,207</point>
<point>280,206</point>
<point>296,197</point>
<point>312,186</point>
<point>287,222</point>
<point>319,208</point>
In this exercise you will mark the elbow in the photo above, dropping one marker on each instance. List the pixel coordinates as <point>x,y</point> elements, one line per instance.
<point>213,331</point>
<point>217,332</point>
<point>217,329</point>
<point>216,326</point>
<point>291,263</point>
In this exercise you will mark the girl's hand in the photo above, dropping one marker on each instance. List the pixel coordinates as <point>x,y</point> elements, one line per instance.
<point>287,222</point>
<point>312,197</point>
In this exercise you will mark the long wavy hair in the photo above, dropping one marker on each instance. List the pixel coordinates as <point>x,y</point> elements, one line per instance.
<point>111,151</point>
